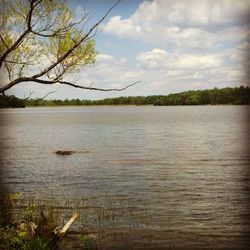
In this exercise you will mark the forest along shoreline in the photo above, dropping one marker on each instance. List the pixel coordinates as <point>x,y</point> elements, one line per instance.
<point>232,96</point>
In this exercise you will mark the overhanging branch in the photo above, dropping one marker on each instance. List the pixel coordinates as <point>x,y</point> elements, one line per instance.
<point>97,89</point>
<point>83,39</point>
<point>60,59</point>
<point>51,82</point>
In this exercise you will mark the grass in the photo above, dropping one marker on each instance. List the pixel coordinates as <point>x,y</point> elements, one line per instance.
<point>32,228</point>
<point>30,224</point>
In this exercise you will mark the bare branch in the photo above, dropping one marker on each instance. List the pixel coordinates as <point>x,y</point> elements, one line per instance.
<point>20,14</point>
<point>25,79</point>
<point>49,93</point>
<point>14,62</point>
<point>21,70</point>
<point>41,98</point>
<point>28,97</point>
<point>8,69</point>
<point>97,89</point>
<point>30,13</point>
<point>58,32</point>
<point>91,84</point>
<point>51,82</point>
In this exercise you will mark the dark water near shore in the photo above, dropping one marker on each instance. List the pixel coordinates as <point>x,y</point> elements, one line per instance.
<point>185,169</point>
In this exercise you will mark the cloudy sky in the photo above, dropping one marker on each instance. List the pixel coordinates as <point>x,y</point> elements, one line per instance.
<point>168,45</point>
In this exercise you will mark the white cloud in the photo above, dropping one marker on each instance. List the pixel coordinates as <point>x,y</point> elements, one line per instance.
<point>239,55</point>
<point>235,74</point>
<point>202,43</point>
<point>108,72</point>
<point>127,29</point>
<point>197,44</point>
<point>104,58</point>
<point>199,62</point>
<point>159,71</point>
<point>197,75</point>
<point>159,59</point>
<point>189,23</point>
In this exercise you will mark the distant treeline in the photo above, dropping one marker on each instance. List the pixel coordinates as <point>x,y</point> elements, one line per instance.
<point>238,96</point>
<point>11,102</point>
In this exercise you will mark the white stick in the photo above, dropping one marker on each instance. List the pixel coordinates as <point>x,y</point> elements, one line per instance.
<point>68,224</point>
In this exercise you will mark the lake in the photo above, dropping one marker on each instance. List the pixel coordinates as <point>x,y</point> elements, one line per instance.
<point>179,174</point>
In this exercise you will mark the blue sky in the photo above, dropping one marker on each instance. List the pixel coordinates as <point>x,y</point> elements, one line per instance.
<point>169,45</point>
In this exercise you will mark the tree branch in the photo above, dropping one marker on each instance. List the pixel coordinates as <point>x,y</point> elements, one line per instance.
<point>22,63</point>
<point>58,32</point>
<point>51,82</point>
<point>49,93</point>
<point>13,47</point>
<point>25,79</point>
<point>84,38</point>
<point>41,98</point>
<point>21,37</point>
<point>28,97</point>
<point>3,41</point>
<point>58,66</point>
<point>97,89</point>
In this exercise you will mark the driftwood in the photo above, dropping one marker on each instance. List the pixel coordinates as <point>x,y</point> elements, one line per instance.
<point>67,225</point>
<point>58,234</point>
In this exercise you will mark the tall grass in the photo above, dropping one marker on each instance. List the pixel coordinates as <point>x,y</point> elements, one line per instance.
<point>104,221</point>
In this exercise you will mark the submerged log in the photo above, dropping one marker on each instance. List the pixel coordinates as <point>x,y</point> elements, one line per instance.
<point>70,152</point>
<point>64,152</point>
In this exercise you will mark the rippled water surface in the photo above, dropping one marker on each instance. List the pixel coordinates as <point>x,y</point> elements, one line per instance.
<point>187,168</point>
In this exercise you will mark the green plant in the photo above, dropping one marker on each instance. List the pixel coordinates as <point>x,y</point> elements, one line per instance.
<point>88,241</point>
<point>32,231</point>
<point>9,238</point>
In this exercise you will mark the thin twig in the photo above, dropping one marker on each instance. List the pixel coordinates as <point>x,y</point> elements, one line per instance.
<point>42,98</point>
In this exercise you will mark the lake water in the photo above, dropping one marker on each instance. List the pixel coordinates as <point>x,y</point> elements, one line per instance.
<point>182,172</point>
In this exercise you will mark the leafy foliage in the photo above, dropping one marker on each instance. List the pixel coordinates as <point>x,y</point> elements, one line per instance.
<point>41,41</point>
<point>34,231</point>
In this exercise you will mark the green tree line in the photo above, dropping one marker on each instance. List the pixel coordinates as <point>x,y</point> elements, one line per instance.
<point>11,102</point>
<point>237,96</point>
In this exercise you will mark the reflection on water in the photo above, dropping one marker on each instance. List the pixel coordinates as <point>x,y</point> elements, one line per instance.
<point>187,165</point>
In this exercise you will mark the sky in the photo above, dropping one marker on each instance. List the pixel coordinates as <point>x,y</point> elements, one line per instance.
<point>168,45</point>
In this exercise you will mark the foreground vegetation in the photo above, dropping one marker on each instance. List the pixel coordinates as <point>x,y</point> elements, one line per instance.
<point>237,96</point>
<point>101,223</point>
<point>34,227</point>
